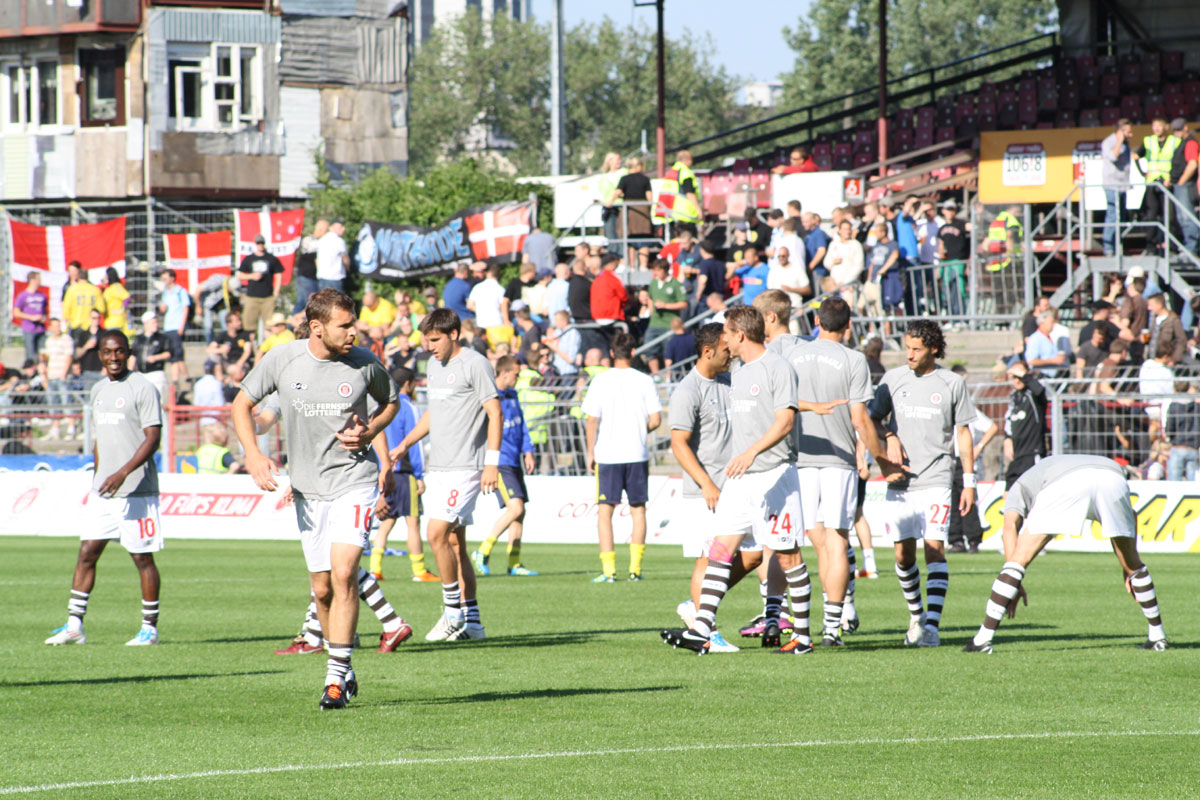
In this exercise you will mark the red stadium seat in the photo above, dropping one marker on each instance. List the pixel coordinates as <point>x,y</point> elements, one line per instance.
<point>863,159</point>
<point>922,138</point>
<point>1151,69</point>
<point>1109,115</point>
<point>1089,89</point>
<point>1131,107</point>
<point>986,122</point>
<point>1027,113</point>
<point>1008,116</point>
<point>1131,76</point>
<point>1068,98</point>
<point>925,117</point>
<point>1157,110</point>
<point>1048,101</point>
<point>1089,118</point>
<point>1065,118</point>
<point>1172,64</point>
<point>945,134</point>
<point>1045,126</point>
<point>1110,85</point>
<point>1006,96</point>
<point>1086,66</point>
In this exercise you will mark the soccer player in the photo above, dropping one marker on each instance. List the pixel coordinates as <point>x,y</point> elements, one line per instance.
<point>324,382</point>
<point>761,495</point>
<point>123,503</point>
<point>622,408</point>
<point>1055,497</point>
<point>405,500</point>
<point>516,451</point>
<point>929,407</point>
<point>464,425</point>
<point>828,469</point>
<point>700,440</point>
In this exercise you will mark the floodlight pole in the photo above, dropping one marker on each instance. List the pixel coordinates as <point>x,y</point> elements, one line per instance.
<point>556,90</point>
<point>661,132</point>
<point>881,126</point>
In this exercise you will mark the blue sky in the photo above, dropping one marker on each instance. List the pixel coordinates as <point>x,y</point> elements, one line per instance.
<point>749,45</point>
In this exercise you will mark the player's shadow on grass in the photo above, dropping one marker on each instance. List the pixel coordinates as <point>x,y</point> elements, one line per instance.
<point>523,640</point>
<point>283,637</point>
<point>136,679</point>
<point>532,694</point>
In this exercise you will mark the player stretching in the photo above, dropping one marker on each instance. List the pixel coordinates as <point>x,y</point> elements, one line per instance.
<point>761,495</point>
<point>828,469</point>
<point>464,425</point>
<point>700,440</point>
<point>404,502</point>
<point>622,408</point>
<point>123,503</point>
<point>1056,497</point>
<point>515,448</point>
<point>323,381</point>
<point>929,407</point>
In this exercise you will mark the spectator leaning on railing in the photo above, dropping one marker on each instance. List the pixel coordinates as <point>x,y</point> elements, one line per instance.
<point>1182,430</point>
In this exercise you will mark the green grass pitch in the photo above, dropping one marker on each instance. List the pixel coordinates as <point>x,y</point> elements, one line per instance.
<point>574,693</point>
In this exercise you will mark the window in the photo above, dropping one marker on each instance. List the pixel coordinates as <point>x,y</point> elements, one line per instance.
<point>103,98</point>
<point>47,72</point>
<point>30,94</point>
<point>213,88</point>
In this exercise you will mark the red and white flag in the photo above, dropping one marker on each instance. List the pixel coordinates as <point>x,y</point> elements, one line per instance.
<point>281,229</point>
<point>196,257</point>
<point>49,249</point>
<point>498,232</point>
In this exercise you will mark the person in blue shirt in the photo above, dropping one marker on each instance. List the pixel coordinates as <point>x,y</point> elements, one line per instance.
<point>753,274</point>
<point>910,255</point>
<point>516,458</point>
<point>405,500</point>
<point>454,293</point>
<point>816,244</point>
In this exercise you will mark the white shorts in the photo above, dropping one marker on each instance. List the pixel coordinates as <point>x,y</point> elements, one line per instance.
<point>764,504</point>
<point>450,496</point>
<point>828,496</point>
<point>134,520</point>
<point>1098,495</point>
<point>699,526</point>
<point>344,520</point>
<point>917,513</point>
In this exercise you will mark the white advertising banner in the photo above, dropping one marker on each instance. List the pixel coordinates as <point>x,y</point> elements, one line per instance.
<point>560,510</point>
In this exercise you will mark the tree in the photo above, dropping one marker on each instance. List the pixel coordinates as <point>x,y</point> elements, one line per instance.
<point>836,46</point>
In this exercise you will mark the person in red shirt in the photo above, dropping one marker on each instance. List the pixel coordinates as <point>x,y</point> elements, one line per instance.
<point>608,293</point>
<point>798,161</point>
<point>1183,181</point>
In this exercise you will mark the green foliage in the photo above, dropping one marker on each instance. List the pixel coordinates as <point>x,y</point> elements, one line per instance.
<point>837,44</point>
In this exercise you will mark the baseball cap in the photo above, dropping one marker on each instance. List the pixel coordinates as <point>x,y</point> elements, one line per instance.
<point>950,204</point>
<point>149,315</point>
<point>518,305</point>
<point>544,273</point>
<point>1178,124</point>
<point>1136,272</point>
<point>260,239</point>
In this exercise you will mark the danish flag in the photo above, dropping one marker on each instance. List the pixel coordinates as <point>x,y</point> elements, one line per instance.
<point>48,250</point>
<point>498,232</point>
<point>281,229</point>
<point>196,257</point>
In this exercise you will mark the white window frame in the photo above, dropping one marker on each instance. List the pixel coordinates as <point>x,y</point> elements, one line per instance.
<point>29,68</point>
<point>207,56</point>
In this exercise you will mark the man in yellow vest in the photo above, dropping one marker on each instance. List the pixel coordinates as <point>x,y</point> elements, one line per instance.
<point>1004,238</point>
<point>1157,149</point>
<point>213,457</point>
<point>678,198</point>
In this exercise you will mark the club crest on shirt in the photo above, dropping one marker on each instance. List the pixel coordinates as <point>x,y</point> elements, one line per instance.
<point>935,398</point>
<point>344,389</point>
<point>299,387</point>
<point>754,390</point>
<point>450,378</point>
<point>120,402</point>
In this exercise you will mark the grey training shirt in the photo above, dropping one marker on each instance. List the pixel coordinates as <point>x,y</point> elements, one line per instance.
<point>1025,491</point>
<point>758,390</point>
<point>319,397</point>
<point>458,424</point>
<point>701,407</point>
<point>120,411</point>
<point>926,409</point>
<point>829,371</point>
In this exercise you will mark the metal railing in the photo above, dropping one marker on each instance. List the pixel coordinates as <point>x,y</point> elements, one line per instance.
<point>35,419</point>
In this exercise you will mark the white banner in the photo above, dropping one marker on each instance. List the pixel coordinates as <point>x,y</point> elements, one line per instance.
<point>560,510</point>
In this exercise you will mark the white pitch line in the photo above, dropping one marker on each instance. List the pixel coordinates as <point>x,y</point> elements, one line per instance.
<point>683,748</point>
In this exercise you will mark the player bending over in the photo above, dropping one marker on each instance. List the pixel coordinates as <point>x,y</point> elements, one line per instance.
<point>516,458</point>
<point>123,503</point>
<point>1055,497</point>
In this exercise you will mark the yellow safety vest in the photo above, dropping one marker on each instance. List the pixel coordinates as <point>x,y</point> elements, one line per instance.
<point>998,232</point>
<point>608,185</point>
<point>1158,156</point>
<point>535,405</point>
<point>670,204</point>
<point>210,459</point>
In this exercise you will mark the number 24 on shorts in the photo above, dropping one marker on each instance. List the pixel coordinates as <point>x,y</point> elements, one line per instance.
<point>781,526</point>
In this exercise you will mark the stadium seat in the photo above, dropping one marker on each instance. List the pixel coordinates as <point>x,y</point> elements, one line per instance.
<point>1106,64</point>
<point>923,138</point>
<point>1151,67</point>
<point>1027,113</point>
<point>1157,110</point>
<point>1008,116</point>
<point>862,159</point>
<point>925,117</point>
<point>1131,76</point>
<point>1089,118</point>
<point>1172,64</point>
<point>986,106</point>
<point>1089,89</point>
<point>1065,118</point>
<point>1086,66</point>
<point>1131,107</point>
<point>1110,85</point>
<point>1109,115</point>
<point>1048,101</point>
<point>945,134</point>
<point>904,118</point>
<point>1069,98</point>
<point>1005,96</point>
<point>986,122</point>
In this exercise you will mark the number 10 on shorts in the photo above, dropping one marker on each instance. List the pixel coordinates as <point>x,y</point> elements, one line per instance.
<point>146,528</point>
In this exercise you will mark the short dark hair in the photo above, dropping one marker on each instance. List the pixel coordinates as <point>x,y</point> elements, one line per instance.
<point>707,335</point>
<point>114,333</point>
<point>660,263</point>
<point>708,246</point>
<point>834,314</point>
<point>930,334</point>
<point>74,263</point>
<point>775,213</point>
<point>403,375</point>
<point>111,275</point>
<point>749,321</point>
<point>608,258</point>
<point>959,369</point>
<point>321,304</point>
<point>504,363</point>
<point>1165,347</point>
<point>442,320</point>
<point>873,349</point>
<point>1118,346</point>
<point>794,204</point>
<point>1158,297</point>
<point>622,346</point>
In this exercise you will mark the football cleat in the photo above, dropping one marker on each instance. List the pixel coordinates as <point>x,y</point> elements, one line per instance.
<point>930,637</point>
<point>687,612</point>
<point>378,576</point>
<point>850,624</point>
<point>971,647</point>
<point>717,644</point>
<point>390,641</point>
<point>522,571</point>
<point>299,647</point>
<point>866,573</point>
<point>795,647</point>
<point>688,640</point>
<point>445,629</point>
<point>481,562</point>
<point>474,630</point>
<point>604,579</point>
<point>426,577</point>
<point>916,629</point>
<point>333,698</point>
<point>754,627</point>
<point>770,634</point>
<point>64,636</point>
<point>831,639</point>
<point>635,576</point>
<point>351,685</point>
<point>146,636</point>
<point>1154,644</point>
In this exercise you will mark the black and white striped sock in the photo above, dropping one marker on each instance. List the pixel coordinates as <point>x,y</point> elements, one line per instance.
<point>1006,586</point>
<point>372,594</point>
<point>937,581</point>
<point>910,584</point>
<point>1143,593</point>
<point>800,594</point>
<point>712,591</point>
